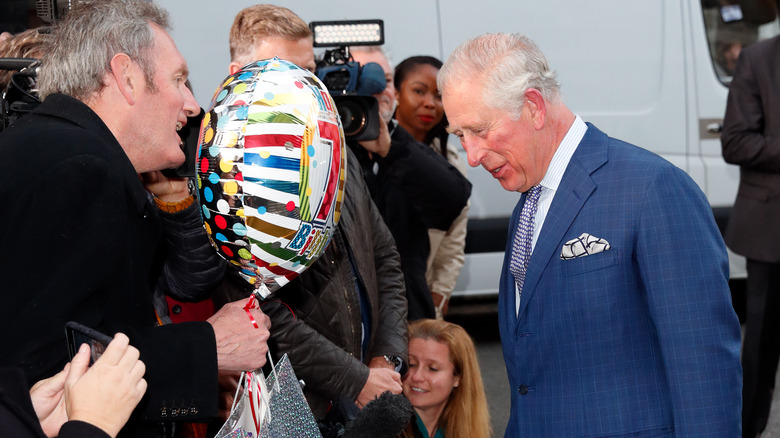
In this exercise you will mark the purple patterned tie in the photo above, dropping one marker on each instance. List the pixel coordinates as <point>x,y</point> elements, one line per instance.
<point>521,243</point>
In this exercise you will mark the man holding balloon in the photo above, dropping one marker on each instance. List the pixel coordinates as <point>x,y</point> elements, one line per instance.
<point>343,321</point>
<point>81,239</point>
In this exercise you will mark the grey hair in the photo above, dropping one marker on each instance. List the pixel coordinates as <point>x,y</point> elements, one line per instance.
<point>90,36</point>
<point>509,64</point>
<point>373,49</point>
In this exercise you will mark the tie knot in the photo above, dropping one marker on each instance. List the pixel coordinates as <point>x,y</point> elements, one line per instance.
<point>535,191</point>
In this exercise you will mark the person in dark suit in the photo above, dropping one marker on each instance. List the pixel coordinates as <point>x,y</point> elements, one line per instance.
<point>82,239</point>
<point>614,308</point>
<point>751,140</point>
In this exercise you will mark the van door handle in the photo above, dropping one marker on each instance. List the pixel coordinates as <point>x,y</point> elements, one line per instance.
<point>714,128</point>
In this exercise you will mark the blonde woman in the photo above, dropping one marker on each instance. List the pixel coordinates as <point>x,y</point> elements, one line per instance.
<point>444,383</point>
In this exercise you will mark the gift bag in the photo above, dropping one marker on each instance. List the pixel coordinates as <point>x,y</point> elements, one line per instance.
<point>272,407</point>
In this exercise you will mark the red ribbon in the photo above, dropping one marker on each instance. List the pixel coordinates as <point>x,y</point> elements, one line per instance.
<point>249,384</point>
<point>251,305</point>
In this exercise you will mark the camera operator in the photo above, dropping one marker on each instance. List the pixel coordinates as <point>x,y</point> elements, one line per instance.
<point>342,322</point>
<point>414,188</point>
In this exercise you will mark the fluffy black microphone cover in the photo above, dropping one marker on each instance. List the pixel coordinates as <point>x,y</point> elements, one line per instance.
<point>385,416</point>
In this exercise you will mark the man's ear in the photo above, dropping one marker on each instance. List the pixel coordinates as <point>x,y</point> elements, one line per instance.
<point>537,106</point>
<point>127,76</point>
<point>234,67</point>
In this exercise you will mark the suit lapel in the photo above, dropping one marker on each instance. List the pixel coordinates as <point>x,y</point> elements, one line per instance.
<point>574,190</point>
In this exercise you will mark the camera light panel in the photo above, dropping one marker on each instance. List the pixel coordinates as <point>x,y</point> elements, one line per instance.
<point>348,33</point>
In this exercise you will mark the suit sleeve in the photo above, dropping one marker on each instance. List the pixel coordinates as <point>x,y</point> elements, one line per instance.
<point>744,139</point>
<point>684,268</point>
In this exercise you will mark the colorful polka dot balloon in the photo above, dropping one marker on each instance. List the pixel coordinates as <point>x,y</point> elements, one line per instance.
<point>271,167</point>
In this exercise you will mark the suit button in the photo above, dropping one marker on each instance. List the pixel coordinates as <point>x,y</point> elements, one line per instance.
<point>522,389</point>
<point>176,309</point>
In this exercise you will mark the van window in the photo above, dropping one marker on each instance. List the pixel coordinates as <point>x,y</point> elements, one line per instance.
<point>733,25</point>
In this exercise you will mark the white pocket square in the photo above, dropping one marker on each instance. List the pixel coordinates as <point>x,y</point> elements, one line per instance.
<point>583,246</point>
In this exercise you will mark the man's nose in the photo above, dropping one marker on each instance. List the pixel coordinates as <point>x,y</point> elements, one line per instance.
<point>191,107</point>
<point>474,152</point>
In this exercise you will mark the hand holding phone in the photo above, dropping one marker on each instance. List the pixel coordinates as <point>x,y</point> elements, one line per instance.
<point>105,393</point>
<point>78,334</point>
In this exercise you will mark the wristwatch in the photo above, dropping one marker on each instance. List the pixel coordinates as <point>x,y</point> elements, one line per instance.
<point>398,363</point>
<point>192,187</point>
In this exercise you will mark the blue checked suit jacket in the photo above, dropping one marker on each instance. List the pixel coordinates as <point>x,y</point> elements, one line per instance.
<point>640,340</point>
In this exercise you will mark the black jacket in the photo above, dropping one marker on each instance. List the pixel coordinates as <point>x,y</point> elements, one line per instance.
<point>81,242</point>
<point>194,269</point>
<point>751,140</point>
<point>321,329</point>
<point>414,189</point>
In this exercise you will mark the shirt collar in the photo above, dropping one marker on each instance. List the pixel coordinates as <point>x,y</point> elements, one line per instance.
<point>560,161</point>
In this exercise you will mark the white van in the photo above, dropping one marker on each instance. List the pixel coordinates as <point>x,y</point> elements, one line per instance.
<point>654,73</point>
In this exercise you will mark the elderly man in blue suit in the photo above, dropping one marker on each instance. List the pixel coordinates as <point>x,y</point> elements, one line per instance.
<point>614,307</point>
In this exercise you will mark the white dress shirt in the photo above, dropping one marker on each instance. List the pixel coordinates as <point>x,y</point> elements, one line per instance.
<point>551,181</point>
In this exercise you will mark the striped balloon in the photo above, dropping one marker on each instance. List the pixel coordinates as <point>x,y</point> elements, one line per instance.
<point>271,168</point>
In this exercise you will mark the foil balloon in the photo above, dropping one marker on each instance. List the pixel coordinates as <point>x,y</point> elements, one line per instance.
<point>271,168</point>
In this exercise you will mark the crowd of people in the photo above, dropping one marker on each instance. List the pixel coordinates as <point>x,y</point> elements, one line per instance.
<point>614,307</point>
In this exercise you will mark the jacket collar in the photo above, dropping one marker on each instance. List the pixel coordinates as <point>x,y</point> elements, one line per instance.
<point>77,112</point>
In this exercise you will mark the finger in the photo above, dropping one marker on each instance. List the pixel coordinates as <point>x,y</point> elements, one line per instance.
<point>141,387</point>
<point>56,383</point>
<point>138,371</point>
<point>79,365</point>
<point>261,318</point>
<point>115,350</point>
<point>129,358</point>
<point>151,177</point>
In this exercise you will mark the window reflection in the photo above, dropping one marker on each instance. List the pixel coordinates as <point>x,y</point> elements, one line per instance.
<point>733,25</point>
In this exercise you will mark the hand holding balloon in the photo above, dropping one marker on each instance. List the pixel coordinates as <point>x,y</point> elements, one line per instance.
<point>240,345</point>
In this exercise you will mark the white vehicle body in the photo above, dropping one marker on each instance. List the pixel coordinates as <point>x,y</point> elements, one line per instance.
<point>640,71</point>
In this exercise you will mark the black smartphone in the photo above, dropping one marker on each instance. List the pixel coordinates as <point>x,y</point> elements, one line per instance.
<point>189,134</point>
<point>78,334</point>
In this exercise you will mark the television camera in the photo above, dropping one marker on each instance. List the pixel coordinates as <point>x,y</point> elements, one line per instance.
<point>351,85</point>
<point>21,95</point>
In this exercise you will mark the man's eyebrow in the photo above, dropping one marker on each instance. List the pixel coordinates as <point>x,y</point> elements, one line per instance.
<point>451,130</point>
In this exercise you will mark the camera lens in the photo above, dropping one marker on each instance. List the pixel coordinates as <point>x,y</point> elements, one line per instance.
<point>353,117</point>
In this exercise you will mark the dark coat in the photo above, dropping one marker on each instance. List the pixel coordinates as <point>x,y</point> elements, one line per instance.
<point>81,242</point>
<point>415,189</point>
<point>17,415</point>
<point>321,329</point>
<point>751,140</point>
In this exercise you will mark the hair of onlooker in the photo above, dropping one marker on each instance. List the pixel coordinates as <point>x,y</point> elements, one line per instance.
<point>88,38</point>
<point>32,43</point>
<point>257,22</point>
<point>466,413</point>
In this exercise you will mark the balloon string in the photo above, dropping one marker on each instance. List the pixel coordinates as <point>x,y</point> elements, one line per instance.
<point>251,305</point>
<point>255,418</point>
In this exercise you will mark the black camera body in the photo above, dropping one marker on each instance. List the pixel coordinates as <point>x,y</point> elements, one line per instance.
<point>21,96</point>
<point>352,85</point>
